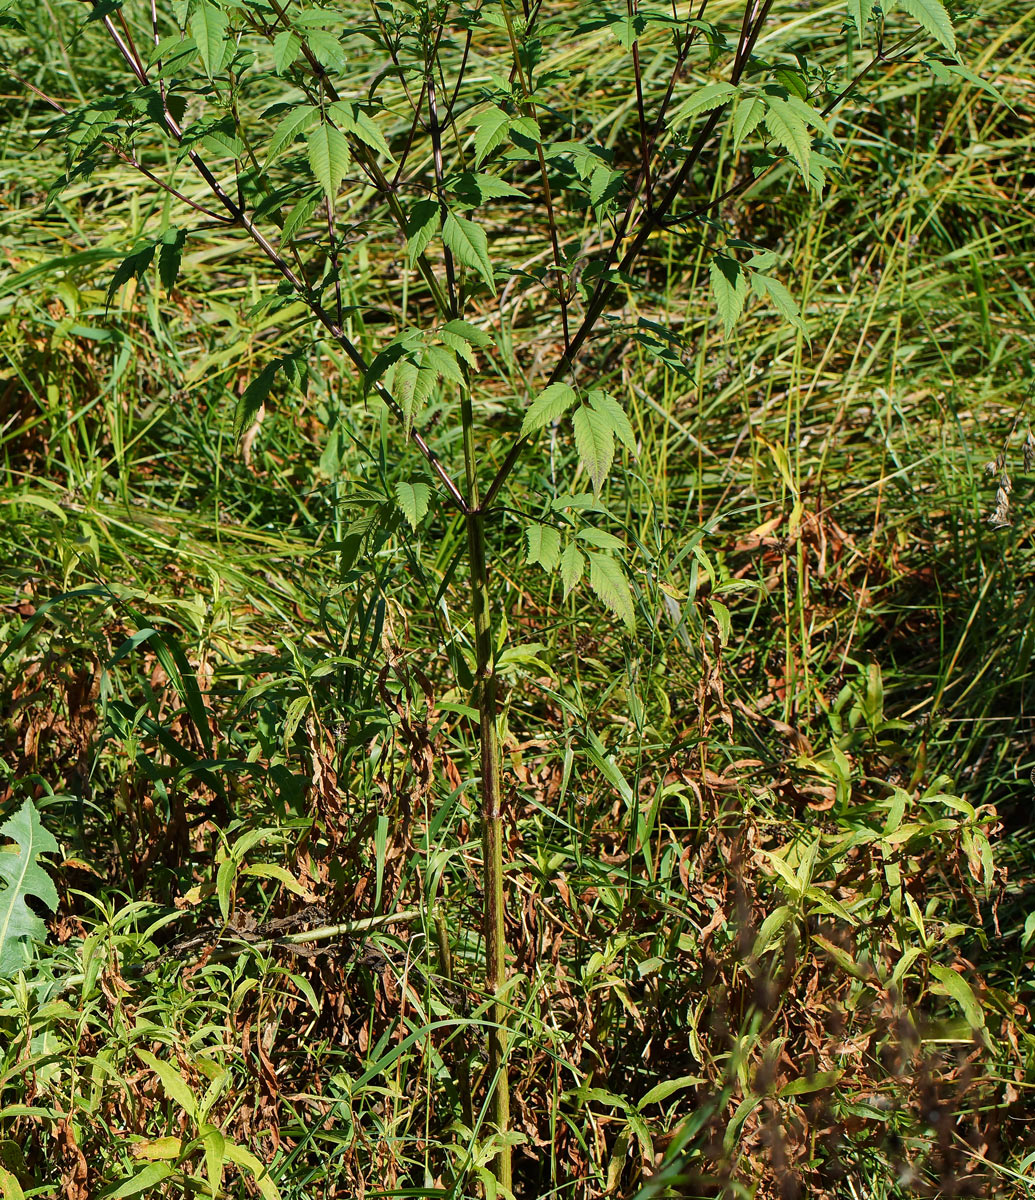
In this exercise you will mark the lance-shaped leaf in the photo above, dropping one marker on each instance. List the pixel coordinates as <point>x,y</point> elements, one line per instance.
<point>22,875</point>
<point>788,128</point>
<point>413,501</point>
<point>209,28</point>
<point>544,545</point>
<point>550,405</point>
<point>859,11</point>
<point>469,245</point>
<point>595,442</point>
<point>729,287</point>
<point>932,16</point>
<point>328,156</point>
<point>572,566</point>
<point>490,130</point>
<point>608,580</point>
<point>421,226</point>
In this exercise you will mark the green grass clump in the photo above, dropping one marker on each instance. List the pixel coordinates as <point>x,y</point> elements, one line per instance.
<point>768,859</point>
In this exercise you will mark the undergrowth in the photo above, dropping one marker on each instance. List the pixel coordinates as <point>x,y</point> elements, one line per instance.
<point>767,858</point>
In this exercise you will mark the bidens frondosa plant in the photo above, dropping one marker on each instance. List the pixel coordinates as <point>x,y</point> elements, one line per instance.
<point>520,168</point>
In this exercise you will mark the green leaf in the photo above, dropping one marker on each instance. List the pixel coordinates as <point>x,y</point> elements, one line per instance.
<point>298,217</point>
<point>286,46</point>
<point>960,991</point>
<point>412,384</point>
<point>729,287</point>
<point>241,1157</point>
<point>208,25</point>
<point>490,131</point>
<point>932,16</point>
<point>134,264</point>
<point>413,501</point>
<point>254,398</point>
<point>544,545</point>
<point>421,226</point>
<point>169,256</point>
<point>746,117</point>
<point>351,118</point>
<point>291,125</point>
<point>612,411</point>
<point>328,157</point>
<point>469,333</point>
<point>475,187</point>
<point>551,404</point>
<point>595,442</point>
<point>788,129</point>
<point>22,875</point>
<point>713,96</point>
<point>608,580</point>
<point>859,11</point>
<point>782,300</point>
<point>572,566</point>
<point>470,246</point>
<point>173,1083</point>
<point>145,1180</point>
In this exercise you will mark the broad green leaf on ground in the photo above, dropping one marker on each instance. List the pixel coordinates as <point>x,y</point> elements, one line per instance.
<point>544,545</point>
<point>572,565</point>
<point>22,875</point>
<point>208,25</point>
<point>595,443</point>
<point>931,14</point>
<point>470,246</point>
<point>607,579</point>
<point>413,501</point>
<point>789,130</point>
<point>551,404</point>
<point>328,157</point>
<point>729,288</point>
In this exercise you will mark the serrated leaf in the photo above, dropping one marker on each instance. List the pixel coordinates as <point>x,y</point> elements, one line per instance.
<point>705,99</point>
<point>931,14</point>
<point>595,443</point>
<point>412,384</point>
<point>355,120</point>
<point>298,217</point>
<point>475,187</point>
<point>328,156</point>
<point>286,46</point>
<point>782,300</point>
<point>421,226</point>
<point>290,126</point>
<point>491,129</point>
<point>254,397</point>
<point>859,11</point>
<point>208,25</point>
<point>572,566</point>
<point>746,117</point>
<point>601,539</point>
<point>607,579</point>
<point>169,256</point>
<point>544,545</point>
<point>442,361</point>
<point>22,875</point>
<point>413,501</point>
<point>789,130</point>
<point>470,333</point>
<point>551,404</point>
<point>729,287</point>
<point>469,245</point>
<point>608,407</point>
<point>134,264</point>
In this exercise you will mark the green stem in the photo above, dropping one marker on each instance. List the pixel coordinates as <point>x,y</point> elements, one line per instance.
<point>492,808</point>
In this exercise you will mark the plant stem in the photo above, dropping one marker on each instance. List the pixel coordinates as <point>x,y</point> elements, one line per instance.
<point>492,814</point>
